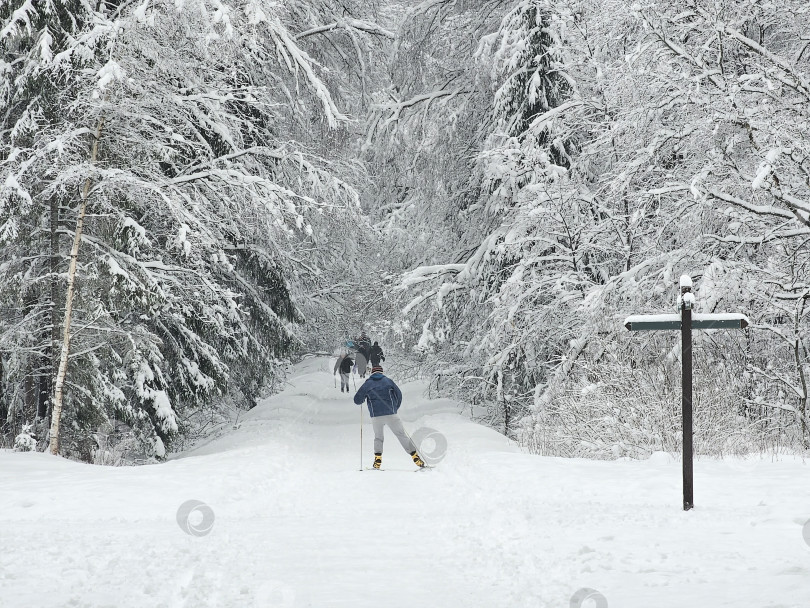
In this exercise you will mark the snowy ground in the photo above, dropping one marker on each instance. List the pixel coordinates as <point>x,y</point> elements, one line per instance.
<point>297,524</point>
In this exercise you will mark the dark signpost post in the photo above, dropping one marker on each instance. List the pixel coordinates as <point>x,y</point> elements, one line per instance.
<point>686,322</point>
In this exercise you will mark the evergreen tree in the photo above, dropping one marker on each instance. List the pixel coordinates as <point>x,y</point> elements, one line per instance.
<point>206,215</point>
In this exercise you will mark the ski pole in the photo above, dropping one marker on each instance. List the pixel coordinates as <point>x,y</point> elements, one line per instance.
<point>361,436</point>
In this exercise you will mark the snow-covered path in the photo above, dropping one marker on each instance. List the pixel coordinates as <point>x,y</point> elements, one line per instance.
<point>297,524</point>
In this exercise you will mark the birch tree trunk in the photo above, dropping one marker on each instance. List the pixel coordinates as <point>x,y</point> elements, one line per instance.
<point>56,413</point>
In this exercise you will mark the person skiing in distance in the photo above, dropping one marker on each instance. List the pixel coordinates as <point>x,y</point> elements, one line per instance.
<point>361,362</point>
<point>376,355</point>
<point>344,365</point>
<point>384,398</point>
<point>363,343</point>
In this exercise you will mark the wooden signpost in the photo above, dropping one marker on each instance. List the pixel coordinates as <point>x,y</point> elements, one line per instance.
<point>686,322</point>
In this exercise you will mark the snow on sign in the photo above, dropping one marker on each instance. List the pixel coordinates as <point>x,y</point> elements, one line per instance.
<point>686,322</point>
<point>673,321</point>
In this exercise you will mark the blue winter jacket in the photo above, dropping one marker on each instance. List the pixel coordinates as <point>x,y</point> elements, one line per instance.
<point>382,395</point>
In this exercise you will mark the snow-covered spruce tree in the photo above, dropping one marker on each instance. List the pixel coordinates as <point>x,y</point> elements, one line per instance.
<point>44,46</point>
<point>525,227</point>
<point>204,219</point>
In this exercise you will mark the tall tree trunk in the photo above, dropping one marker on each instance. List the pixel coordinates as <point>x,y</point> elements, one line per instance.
<point>45,384</point>
<point>797,354</point>
<point>3,405</point>
<point>29,408</point>
<point>56,413</point>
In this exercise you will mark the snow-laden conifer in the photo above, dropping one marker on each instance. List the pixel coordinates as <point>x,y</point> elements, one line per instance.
<point>206,214</point>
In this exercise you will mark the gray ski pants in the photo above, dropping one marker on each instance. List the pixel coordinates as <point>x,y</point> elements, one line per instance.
<point>344,381</point>
<point>395,424</point>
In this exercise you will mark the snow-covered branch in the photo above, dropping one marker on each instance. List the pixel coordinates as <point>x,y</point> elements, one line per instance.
<point>383,115</point>
<point>757,209</point>
<point>357,24</point>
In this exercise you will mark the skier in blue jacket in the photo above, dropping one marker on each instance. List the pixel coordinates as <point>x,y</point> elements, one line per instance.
<point>384,398</point>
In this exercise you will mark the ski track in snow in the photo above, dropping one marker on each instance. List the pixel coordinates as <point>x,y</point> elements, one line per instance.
<point>298,524</point>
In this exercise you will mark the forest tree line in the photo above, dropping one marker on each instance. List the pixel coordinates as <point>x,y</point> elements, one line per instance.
<point>503,180</point>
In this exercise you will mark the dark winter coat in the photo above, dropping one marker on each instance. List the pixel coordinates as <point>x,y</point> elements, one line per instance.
<point>346,365</point>
<point>375,355</point>
<point>362,342</point>
<point>381,394</point>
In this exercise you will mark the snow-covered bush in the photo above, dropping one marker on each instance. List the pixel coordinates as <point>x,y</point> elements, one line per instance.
<point>118,445</point>
<point>25,440</point>
<point>629,404</point>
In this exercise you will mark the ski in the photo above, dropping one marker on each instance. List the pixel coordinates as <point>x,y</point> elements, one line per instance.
<point>418,470</point>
